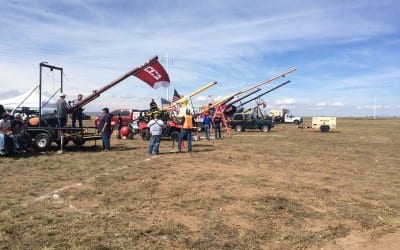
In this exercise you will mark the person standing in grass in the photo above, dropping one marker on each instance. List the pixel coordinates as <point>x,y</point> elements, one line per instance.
<point>104,129</point>
<point>217,126</point>
<point>207,123</point>
<point>156,127</point>
<point>119,125</point>
<point>186,131</point>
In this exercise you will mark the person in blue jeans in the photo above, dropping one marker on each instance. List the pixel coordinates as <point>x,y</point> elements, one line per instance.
<point>4,132</point>
<point>186,131</point>
<point>104,129</point>
<point>217,126</point>
<point>207,123</point>
<point>156,127</point>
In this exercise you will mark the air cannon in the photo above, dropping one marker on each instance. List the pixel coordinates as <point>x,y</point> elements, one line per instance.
<point>229,111</point>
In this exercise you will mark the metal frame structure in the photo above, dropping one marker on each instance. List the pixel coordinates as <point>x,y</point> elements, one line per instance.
<point>51,67</point>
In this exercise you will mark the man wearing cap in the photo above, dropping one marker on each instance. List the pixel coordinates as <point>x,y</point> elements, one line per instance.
<point>78,113</point>
<point>62,108</point>
<point>104,129</point>
<point>156,127</point>
<point>186,131</point>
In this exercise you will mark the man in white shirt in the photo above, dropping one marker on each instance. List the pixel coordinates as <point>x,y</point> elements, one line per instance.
<point>156,127</point>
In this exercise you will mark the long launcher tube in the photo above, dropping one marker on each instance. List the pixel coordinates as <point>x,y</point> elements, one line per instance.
<point>228,99</point>
<point>186,98</point>
<point>254,98</point>
<point>241,98</point>
<point>97,93</point>
<point>267,81</point>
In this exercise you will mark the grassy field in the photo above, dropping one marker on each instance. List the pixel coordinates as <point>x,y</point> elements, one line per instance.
<point>287,189</point>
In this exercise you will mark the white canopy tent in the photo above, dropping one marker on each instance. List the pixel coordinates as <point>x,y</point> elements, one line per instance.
<point>31,100</point>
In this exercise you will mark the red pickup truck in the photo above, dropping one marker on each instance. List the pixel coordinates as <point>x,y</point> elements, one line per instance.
<point>127,115</point>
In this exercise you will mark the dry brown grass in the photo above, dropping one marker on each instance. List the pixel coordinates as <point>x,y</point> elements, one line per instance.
<point>287,189</point>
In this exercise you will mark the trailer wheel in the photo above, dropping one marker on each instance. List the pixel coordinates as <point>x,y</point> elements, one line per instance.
<point>42,142</point>
<point>79,141</point>
<point>65,142</point>
<point>324,129</point>
<point>238,128</point>
<point>175,135</point>
<point>265,128</point>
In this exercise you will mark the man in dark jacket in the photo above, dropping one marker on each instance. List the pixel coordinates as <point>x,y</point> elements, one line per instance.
<point>62,111</point>
<point>104,129</point>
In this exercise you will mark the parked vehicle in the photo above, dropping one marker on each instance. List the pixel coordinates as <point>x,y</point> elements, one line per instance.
<point>284,116</point>
<point>171,129</point>
<point>242,121</point>
<point>86,117</point>
<point>127,115</point>
<point>324,124</point>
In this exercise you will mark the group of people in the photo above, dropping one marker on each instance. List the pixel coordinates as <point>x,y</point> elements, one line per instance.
<point>156,126</point>
<point>13,135</point>
<point>62,111</point>
<point>212,121</point>
<point>104,127</point>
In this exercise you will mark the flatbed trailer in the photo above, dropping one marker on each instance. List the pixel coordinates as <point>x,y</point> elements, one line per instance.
<point>43,137</point>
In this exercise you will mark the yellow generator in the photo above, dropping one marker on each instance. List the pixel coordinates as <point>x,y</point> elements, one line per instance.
<point>324,124</point>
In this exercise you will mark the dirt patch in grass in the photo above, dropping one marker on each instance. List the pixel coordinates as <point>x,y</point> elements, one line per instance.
<point>287,189</point>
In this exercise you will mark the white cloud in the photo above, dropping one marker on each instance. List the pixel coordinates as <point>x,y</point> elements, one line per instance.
<point>337,104</point>
<point>321,104</point>
<point>285,101</point>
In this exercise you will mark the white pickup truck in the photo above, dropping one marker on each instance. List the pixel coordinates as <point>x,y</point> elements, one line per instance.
<point>283,116</point>
<point>289,118</point>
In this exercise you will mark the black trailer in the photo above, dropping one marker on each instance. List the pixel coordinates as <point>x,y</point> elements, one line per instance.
<point>43,128</point>
<point>43,136</point>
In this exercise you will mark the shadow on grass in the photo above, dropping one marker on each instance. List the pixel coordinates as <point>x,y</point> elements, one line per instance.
<point>69,149</point>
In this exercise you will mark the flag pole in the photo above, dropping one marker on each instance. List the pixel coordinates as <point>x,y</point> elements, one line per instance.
<point>168,74</point>
<point>96,93</point>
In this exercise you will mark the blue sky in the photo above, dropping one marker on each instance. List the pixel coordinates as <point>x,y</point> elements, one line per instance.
<point>347,53</point>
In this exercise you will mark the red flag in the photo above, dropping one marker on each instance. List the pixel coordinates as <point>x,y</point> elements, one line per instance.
<point>153,74</point>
